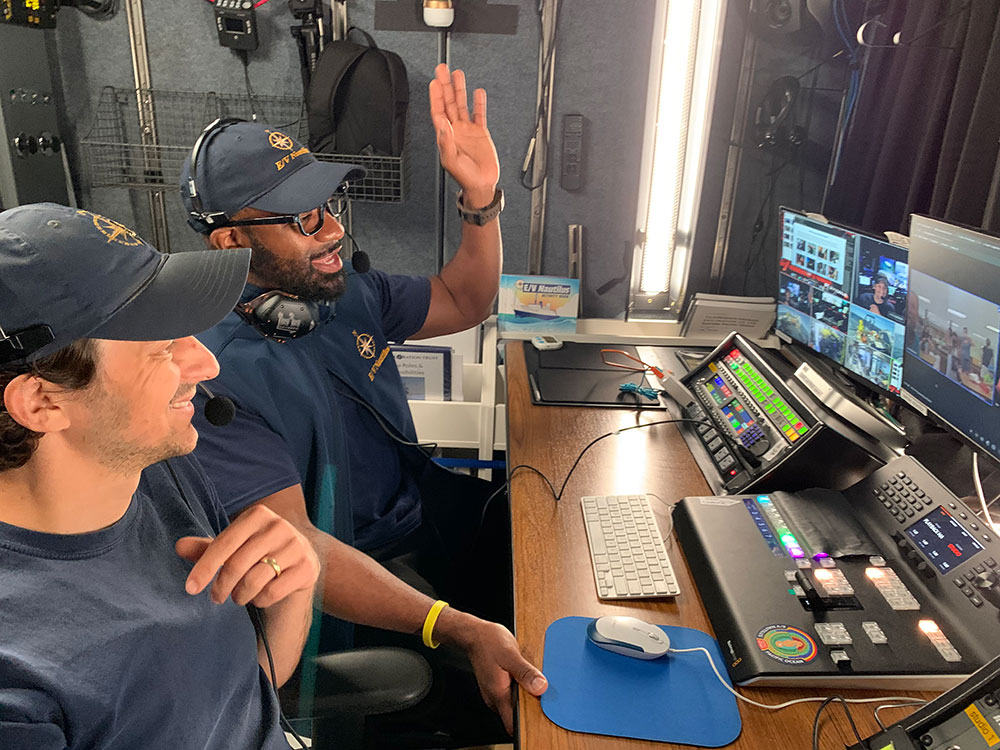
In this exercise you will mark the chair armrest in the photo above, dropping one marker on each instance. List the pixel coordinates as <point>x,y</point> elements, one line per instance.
<point>370,681</point>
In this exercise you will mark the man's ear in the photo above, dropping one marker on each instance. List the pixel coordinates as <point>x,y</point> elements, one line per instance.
<point>225,238</point>
<point>31,402</point>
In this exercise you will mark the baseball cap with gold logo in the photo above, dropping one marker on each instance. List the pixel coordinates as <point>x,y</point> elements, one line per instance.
<point>67,274</point>
<point>244,164</point>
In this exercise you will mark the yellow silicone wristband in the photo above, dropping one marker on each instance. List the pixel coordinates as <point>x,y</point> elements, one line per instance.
<point>430,621</point>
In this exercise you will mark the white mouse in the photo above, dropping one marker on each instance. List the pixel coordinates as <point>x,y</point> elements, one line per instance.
<point>628,636</point>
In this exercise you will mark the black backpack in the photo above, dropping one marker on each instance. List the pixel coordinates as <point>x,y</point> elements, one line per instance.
<point>357,99</point>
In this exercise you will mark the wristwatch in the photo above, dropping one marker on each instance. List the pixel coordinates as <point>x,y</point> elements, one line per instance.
<point>481,217</point>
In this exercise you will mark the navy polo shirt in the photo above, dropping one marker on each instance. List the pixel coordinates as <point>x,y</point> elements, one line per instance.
<point>298,417</point>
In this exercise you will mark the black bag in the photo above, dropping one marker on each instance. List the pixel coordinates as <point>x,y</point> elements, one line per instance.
<point>357,99</point>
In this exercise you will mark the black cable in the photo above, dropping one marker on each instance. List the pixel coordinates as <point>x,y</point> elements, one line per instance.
<point>558,495</point>
<point>819,711</point>
<point>258,622</point>
<point>762,222</point>
<point>255,615</point>
<point>244,56</point>
<point>879,709</point>
<point>426,448</point>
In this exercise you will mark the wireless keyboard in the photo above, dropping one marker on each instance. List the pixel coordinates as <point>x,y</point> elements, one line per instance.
<point>630,561</point>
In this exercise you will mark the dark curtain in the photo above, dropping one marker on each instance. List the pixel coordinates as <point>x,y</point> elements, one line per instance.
<point>925,134</point>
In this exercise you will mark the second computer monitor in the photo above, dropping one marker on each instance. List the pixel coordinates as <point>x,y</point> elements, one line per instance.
<point>953,328</point>
<point>842,293</point>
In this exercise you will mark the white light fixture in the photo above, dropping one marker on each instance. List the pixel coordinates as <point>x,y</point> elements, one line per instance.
<point>684,61</point>
<point>439,13</point>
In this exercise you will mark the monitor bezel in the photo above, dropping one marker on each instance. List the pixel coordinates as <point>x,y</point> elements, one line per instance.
<point>792,341</point>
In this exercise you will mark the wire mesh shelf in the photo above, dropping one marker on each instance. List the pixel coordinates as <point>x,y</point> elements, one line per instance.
<point>118,153</point>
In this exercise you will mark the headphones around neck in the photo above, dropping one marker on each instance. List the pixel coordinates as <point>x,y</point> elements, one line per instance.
<point>280,316</point>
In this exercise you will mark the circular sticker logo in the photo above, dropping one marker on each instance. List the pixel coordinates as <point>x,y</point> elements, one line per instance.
<point>786,644</point>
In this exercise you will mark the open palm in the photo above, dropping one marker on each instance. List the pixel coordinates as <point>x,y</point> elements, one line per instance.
<point>465,146</point>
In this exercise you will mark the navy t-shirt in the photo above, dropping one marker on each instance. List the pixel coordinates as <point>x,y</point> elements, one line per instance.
<point>102,649</point>
<point>298,417</point>
<point>885,307</point>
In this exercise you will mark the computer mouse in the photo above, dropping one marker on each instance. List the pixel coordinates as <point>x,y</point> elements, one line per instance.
<point>628,636</point>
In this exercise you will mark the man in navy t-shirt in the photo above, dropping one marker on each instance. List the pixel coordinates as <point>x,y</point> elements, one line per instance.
<point>113,635</point>
<point>877,300</point>
<point>323,433</point>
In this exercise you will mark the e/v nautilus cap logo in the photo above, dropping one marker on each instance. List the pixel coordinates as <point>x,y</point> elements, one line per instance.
<point>114,231</point>
<point>786,644</point>
<point>365,344</point>
<point>279,140</point>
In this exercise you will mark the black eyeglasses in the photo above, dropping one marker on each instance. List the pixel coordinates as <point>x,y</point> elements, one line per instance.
<point>309,223</point>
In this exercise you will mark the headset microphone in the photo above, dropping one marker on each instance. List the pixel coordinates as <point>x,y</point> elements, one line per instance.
<point>359,258</point>
<point>219,410</point>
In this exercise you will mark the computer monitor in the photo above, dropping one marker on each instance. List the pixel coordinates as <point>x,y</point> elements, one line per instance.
<point>953,328</point>
<point>842,293</point>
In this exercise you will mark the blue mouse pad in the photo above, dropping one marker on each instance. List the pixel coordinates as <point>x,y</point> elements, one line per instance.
<point>676,698</point>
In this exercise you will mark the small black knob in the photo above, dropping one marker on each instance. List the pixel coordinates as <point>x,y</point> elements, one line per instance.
<point>21,143</point>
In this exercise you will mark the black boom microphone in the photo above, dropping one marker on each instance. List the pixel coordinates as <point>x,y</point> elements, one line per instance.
<point>359,258</point>
<point>219,410</point>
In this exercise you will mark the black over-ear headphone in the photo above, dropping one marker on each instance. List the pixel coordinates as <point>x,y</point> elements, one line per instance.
<point>774,121</point>
<point>209,218</point>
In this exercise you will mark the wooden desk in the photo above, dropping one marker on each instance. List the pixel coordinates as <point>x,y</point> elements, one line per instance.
<point>553,577</point>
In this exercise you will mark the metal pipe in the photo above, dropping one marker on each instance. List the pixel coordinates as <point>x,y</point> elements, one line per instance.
<point>539,171</point>
<point>147,119</point>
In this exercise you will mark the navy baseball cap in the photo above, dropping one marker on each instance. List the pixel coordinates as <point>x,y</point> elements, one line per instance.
<point>67,274</point>
<point>244,164</point>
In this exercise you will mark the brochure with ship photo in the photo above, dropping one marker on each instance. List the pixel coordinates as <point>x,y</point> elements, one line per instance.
<point>538,304</point>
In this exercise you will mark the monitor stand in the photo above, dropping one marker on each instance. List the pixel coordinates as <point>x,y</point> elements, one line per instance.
<point>845,404</point>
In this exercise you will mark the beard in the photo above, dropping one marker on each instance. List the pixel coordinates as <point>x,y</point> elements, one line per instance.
<point>114,444</point>
<point>294,276</point>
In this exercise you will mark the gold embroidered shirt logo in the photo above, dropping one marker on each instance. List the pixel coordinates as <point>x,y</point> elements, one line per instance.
<point>279,140</point>
<point>365,344</point>
<point>114,231</point>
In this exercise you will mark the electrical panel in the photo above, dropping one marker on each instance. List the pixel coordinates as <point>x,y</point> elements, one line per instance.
<point>32,162</point>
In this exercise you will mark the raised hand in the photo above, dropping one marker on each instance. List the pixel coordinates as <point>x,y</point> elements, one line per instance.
<point>465,146</point>
<point>259,558</point>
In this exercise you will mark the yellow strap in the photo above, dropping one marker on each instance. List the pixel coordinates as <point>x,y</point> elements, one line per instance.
<point>431,621</point>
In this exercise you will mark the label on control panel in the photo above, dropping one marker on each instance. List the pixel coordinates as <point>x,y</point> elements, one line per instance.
<point>982,724</point>
<point>786,644</point>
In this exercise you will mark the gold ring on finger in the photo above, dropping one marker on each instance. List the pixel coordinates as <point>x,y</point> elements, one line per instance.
<point>274,565</point>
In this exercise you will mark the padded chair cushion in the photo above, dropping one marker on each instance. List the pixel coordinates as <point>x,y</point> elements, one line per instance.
<point>370,681</point>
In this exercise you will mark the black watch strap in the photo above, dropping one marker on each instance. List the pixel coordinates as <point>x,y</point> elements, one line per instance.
<point>482,216</point>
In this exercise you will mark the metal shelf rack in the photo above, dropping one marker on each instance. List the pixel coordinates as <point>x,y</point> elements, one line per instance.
<point>117,155</point>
